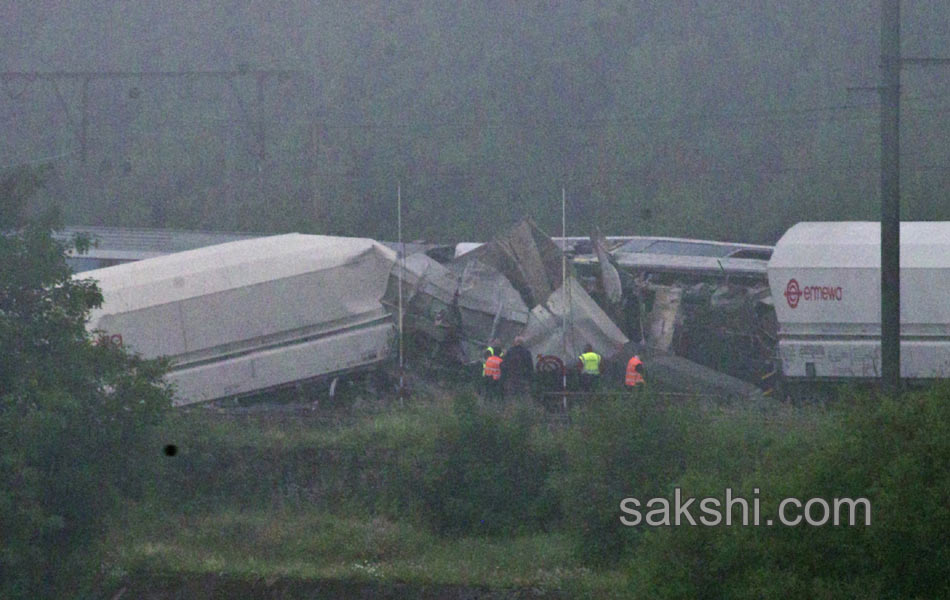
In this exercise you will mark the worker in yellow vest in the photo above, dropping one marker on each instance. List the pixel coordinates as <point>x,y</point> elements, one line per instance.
<point>590,368</point>
<point>491,376</point>
<point>634,375</point>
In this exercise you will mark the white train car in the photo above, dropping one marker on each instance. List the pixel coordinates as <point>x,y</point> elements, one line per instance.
<point>249,315</point>
<point>826,287</point>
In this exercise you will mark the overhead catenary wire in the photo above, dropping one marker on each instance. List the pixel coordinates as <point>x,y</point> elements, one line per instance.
<point>424,129</point>
<point>850,112</point>
<point>808,114</point>
<point>38,160</point>
<point>720,117</point>
<point>723,118</point>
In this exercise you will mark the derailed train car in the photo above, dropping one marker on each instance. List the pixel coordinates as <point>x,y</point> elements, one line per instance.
<point>825,279</point>
<point>246,316</point>
<point>704,301</point>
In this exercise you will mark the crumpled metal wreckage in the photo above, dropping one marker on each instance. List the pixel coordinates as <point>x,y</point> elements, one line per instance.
<point>513,286</point>
<point>712,312</point>
<point>510,287</point>
<point>679,300</point>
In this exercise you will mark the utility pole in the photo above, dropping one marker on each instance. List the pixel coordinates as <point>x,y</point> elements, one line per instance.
<point>890,195</point>
<point>892,63</point>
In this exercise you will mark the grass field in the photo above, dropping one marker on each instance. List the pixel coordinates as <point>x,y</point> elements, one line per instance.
<point>308,546</point>
<point>276,495</point>
<point>448,498</point>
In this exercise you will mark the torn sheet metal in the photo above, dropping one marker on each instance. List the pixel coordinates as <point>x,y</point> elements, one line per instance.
<point>470,308</point>
<point>531,263</point>
<point>526,257</point>
<point>609,277</point>
<point>724,325</point>
<point>712,309</point>
<point>481,288</point>
<point>662,321</point>
<point>485,295</point>
<point>728,328</point>
<point>570,315</point>
<point>428,293</point>
<point>489,306</point>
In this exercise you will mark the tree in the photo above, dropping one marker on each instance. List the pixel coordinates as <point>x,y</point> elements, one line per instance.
<point>75,414</point>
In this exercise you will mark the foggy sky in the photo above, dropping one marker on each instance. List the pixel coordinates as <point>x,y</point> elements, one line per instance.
<point>700,111</point>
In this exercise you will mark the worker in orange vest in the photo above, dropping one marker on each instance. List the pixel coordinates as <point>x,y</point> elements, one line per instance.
<point>634,374</point>
<point>491,375</point>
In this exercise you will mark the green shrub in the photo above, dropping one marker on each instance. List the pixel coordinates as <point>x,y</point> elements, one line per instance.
<point>76,421</point>
<point>479,474</point>
<point>616,449</point>
<point>303,462</point>
<point>900,451</point>
<point>895,453</point>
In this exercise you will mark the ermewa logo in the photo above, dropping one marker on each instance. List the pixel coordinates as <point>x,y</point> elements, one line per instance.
<point>792,293</point>
<point>809,293</point>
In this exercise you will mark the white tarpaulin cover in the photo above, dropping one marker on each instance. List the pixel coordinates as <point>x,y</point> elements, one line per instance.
<point>252,314</point>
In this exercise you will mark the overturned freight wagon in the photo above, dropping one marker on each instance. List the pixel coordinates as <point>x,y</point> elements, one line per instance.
<point>249,315</point>
<point>826,286</point>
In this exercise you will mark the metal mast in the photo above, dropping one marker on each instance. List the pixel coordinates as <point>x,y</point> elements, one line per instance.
<point>890,195</point>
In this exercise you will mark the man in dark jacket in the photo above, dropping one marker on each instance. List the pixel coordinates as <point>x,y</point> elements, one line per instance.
<point>517,371</point>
